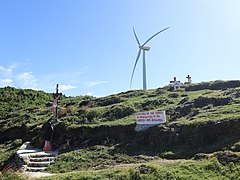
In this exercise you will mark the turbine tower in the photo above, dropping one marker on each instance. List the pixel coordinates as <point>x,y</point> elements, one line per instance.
<point>143,48</point>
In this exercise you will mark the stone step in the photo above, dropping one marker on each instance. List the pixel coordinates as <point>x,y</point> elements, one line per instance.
<point>33,159</point>
<point>43,154</point>
<point>41,159</point>
<point>35,169</point>
<point>39,164</point>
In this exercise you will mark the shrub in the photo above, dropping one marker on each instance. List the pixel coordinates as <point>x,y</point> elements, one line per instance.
<point>205,101</point>
<point>236,147</point>
<point>109,100</point>
<point>173,95</point>
<point>17,142</point>
<point>168,155</point>
<point>132,93</point>
<point>11,176</point>
<point>216,85</point>
<point>118,111</point>
<point>134,174</point>
<point>92,115</point>
<point>69,110</point>
<point>198,87</point>
<point>151,104</point>
<point>89,115</point>
<point>213,165</point>
<point>84,103</point>
<point>160,91</point>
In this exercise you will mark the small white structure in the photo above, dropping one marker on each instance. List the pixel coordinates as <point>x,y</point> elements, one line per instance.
<point>176,84</point>
<point>189,79</point>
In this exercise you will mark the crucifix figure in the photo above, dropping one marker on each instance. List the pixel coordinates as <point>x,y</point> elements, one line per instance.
<point>176,84</point>
<point>189,79</point>
<point>56,97</point>
<point>48,127</point>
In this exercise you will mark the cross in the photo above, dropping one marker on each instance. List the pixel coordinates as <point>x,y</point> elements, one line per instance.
<point>176,84</point>
<point>189,79</point>
<point>174,80</point>
<point>56,97</point>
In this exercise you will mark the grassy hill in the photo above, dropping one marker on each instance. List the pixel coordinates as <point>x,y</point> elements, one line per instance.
<point>203,122</point>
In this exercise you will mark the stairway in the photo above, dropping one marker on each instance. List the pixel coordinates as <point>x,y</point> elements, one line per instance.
<point>33,159</point>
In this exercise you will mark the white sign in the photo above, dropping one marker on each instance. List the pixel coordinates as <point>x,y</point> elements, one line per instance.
<point>157,117</point>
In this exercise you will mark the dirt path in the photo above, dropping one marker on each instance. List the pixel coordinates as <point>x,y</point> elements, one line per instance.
<point>33,175</point>
<point>130,165</point>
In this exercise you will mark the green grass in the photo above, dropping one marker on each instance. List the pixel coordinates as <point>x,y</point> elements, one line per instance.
<point>12,176</point>
<point>95,157</point>
<point>213,113</point>
<point>31,109</point>
<point>187,169</point>
<point>8,149</point>
<point>82,110</point>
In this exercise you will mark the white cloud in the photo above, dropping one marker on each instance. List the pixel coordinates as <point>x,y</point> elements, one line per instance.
<point>95,83</point>
<point>8,70</point>
<point>5,82</point>
<point>5,72</point>
<point>89,94</point>
<point>26,76</point>
<point>27,80</point>
<point>68,80</point>
<point>64,87</point>
<point>6,76</point>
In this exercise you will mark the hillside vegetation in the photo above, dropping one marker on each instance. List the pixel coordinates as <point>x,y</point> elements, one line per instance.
<point>98,133</point>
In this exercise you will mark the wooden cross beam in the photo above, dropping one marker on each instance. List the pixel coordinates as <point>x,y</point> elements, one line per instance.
<point>174,80</point>
<point>188,77</point>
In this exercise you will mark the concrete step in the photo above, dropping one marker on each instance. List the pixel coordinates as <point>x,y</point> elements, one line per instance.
<point>39,164</point>
<point>41,159</point>
<point>42,154</point>
<point>33,159</point>
<point>35,169</point>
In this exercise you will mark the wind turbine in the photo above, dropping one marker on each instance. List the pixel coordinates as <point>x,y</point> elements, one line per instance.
<point>143,48</point>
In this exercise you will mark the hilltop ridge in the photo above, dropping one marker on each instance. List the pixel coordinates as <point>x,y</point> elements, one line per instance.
<point>202,118</point>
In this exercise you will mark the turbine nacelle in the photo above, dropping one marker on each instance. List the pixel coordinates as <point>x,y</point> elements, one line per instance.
<point>145,48</point>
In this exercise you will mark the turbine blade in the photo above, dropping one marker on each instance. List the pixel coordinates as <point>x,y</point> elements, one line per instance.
<point>136,37</point>
<point>139,52</point>
<point>154,36</point>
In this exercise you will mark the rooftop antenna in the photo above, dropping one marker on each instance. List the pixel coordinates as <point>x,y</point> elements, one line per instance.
<point>143,48</point>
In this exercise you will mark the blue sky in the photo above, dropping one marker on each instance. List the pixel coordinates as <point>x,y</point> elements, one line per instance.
<point>88,46</point>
